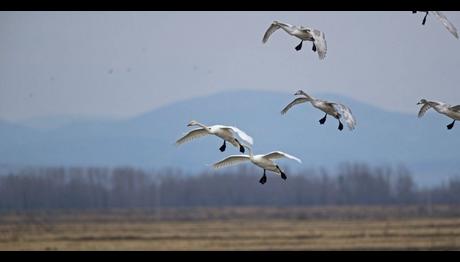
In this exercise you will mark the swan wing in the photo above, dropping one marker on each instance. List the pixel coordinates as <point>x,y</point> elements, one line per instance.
<point>273,27</point>
<point>296,101</point>
<point>320,43</point>
<point>196,133</point>
<point>246,138</point>
<point>423,109</point>
<point>446,22</point>
<point>279,154</point>
<point>455,108</point>
<point>347,115</point>
<point>231,160</point>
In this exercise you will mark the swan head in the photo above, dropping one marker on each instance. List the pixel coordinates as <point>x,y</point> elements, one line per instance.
<point>423,101</point>
<point>192,123</point>
<point>300,92</point>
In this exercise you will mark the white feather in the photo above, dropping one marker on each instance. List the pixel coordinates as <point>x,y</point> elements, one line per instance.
<point>441,17</point>
<point>196,133</point>
<point>245,137</point>
<point>231,160</point>
<point>346,115</point>
<point>279,154</point>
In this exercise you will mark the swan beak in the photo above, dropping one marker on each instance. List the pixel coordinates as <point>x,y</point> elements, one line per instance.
<point>189,125</point>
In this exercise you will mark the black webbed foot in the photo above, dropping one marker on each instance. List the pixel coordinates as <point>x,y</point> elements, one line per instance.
<point>299,46</point>
<point>340,126</point>
<point>314,48</point>
<point>241,146</point>
<point>263,179</point>
<point>323,120</point>
<point>283,175</point>
<point>241,149</point>
<point>424,19</point>
<point>222,148</point>
<point>451,125</point>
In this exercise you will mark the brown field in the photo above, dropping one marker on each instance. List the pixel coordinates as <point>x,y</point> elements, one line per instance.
<point>332,228</point>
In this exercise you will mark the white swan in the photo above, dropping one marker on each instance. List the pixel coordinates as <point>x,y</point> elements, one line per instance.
<point>330,108</point>
<point>441,17</point>
<point>303,33</point>
<point>442,108</point>
<point>263,161</point>
<point>227,133</point>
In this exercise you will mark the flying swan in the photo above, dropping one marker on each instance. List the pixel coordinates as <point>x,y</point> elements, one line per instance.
<point>303,33</point>
<point>330,108</point>
<point>441,17</point>
<point>263,161</point>
<point>442,108</point>
<point>227,133</point>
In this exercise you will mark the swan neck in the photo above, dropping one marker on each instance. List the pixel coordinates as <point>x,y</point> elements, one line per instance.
<point>308,97</point>
<point>201,125</point>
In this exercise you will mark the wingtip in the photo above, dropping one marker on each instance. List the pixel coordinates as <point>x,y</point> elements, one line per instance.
<point>214,166</point>
<point>211,165</point>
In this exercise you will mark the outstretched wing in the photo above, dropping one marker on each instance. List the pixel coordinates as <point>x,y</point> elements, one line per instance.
<point>296,101</point>
<point>455,108</point>
<point>320,43</point>
<point>446,22</point>
<point>196,133</point>
<point>279,154</point>
<point>423,109</point>
<point>231,160</point>
<point>246,138</point>
<point>347,116</point>
<point>273,27</point>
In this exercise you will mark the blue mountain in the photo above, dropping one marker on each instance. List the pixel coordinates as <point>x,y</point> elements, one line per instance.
<point>381,137</point>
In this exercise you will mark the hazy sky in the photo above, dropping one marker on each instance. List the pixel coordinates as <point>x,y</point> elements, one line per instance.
<point>120,64</point>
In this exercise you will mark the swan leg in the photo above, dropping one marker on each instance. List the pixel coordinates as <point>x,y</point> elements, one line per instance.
<point>424,19</point>
<point>283,175</point>
<point>449,126</point>
<point>314,47</point>
<point>299,46</point>
<point>322,120</point>
<point>241,147</point>
<point>222,148</point>
<point>340,126</point>
<point>263,179</point>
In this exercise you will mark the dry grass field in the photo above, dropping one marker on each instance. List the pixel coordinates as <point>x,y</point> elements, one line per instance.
<point>331,228</point>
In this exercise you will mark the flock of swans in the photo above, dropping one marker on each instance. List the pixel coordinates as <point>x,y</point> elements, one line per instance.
<point>336,110</point>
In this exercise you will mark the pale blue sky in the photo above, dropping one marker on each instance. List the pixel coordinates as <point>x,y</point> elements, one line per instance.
<point>120,64</point>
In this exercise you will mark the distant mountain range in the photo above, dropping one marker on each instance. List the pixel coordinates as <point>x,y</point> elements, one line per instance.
<point>425,145</point>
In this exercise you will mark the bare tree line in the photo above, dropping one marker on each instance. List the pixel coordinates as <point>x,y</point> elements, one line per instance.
<point>126,187</point>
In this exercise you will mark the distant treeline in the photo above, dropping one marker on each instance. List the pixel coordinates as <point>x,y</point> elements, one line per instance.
<point>125,187</point>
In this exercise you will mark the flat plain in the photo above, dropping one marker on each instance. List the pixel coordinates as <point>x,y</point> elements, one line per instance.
<point>248,228</point>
